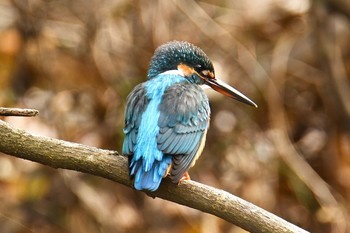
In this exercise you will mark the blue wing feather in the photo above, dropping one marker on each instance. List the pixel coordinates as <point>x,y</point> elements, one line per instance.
<point>147,164</point>
<point>184,117</point>
<point>165,121</point>
<point>136,105</point>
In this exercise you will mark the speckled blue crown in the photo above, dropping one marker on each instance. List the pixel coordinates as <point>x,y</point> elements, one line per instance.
<point>168,56</point>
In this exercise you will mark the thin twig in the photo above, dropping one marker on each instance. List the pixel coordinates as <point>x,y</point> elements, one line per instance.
<point>25,112</point>
<point>108,164</point>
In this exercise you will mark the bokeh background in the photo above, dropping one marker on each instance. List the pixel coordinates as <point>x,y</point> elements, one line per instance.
<point>76,62</point>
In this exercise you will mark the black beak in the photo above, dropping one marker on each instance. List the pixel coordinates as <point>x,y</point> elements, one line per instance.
<point>229,91</point>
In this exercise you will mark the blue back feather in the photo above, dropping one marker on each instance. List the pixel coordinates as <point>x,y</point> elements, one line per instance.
<point>165,121</point>
<point>148,163</point>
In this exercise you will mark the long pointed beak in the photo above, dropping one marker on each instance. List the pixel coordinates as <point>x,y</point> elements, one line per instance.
<point>229,91</point>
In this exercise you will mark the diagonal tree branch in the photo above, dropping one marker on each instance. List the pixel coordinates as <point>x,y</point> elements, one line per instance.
<point>109,164</point>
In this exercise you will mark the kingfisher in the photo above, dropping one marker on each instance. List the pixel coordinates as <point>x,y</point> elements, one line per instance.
<point>167,117</point>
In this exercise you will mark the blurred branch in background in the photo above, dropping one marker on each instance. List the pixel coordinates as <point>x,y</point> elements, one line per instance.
<point>330,208</point>
<point>339,6</point>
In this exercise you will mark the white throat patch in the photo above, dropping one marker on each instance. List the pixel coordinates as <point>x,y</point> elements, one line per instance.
<point>177,72</point>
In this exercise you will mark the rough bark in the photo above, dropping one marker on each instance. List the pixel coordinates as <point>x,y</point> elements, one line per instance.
<point>109,164</point>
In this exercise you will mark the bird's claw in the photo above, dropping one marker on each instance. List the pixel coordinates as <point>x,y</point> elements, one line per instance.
<point>185,177</point>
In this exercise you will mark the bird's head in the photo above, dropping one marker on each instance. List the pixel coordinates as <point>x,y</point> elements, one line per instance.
<point>194,64</point>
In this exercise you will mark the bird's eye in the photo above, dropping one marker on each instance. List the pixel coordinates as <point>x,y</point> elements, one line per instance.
<point>198,68</point>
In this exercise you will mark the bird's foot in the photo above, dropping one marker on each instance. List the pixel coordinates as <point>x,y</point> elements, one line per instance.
<point>185,177</point>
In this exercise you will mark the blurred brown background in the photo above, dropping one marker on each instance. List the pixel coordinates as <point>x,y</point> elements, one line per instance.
<point>76,61</point>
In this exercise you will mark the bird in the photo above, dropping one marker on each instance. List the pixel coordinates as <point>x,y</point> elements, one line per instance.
<point>167,116</point>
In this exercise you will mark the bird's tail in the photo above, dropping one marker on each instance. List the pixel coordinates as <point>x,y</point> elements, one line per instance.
<point>149,180</point>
